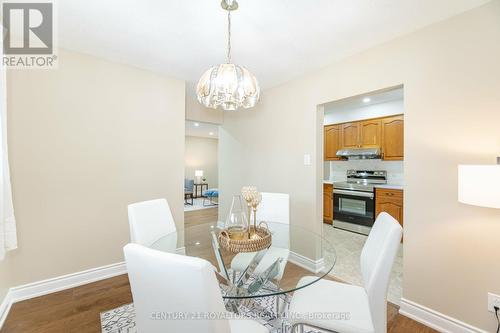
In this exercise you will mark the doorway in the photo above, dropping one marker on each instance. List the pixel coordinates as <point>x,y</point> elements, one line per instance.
<point>363,158</point>
<point>201,194</point>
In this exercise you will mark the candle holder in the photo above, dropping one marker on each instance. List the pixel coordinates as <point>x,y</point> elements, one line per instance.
<point>249,193</point>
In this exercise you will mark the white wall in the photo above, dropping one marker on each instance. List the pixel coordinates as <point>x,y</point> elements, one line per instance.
<point>197,112</point>
<point>86,140</point>
<point>451,76</point>
<point>201,154</point>
<point>335,116</point>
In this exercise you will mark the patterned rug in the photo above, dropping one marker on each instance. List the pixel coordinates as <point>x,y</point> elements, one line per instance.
<point>122,319</point>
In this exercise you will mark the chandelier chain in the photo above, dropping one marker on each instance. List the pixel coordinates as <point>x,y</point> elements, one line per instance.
<point>228,36</point>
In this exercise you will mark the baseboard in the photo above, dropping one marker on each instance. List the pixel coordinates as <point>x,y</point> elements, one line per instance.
<point>181,250</point>
<point>49,286</point>
<point>434,319</point>
<point>314,266</point>
<point>63,282</point>
<point>5,308</point>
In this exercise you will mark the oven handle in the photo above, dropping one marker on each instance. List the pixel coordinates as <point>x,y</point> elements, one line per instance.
<point>354,193</point>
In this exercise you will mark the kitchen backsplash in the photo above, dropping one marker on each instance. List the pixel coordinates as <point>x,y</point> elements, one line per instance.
<point>336,170</point>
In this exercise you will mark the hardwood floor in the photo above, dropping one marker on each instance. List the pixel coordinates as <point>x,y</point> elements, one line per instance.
<point>78,309</point>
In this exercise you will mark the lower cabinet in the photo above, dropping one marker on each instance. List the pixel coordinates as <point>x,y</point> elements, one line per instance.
<point>328,203</point>
<point>389,201</point>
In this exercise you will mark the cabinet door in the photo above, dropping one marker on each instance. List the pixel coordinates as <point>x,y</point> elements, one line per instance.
<point>350,135</point>
<point>332,142</point>
<point>370,135</point>
<point>393,138</point>
<point>391,202</point>
<point>392,208</point>
<point>327,203</point>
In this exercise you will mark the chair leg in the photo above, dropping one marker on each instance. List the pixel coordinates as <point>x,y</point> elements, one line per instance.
<point>298,328</point>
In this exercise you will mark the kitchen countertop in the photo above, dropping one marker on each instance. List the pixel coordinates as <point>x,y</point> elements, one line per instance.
<point>390,186</point>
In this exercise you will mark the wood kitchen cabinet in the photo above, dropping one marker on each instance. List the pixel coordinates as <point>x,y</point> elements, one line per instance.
<point>350,135</point>
<point>389,201</point>
<point>386,133</point>
<point>328,203</point>
<point>369,133</point>
<point>332,142</point>
<point>361,134</point>
<point>393,138</point>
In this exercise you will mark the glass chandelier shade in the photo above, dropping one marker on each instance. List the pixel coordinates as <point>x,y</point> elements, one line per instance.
<point>228,86</point>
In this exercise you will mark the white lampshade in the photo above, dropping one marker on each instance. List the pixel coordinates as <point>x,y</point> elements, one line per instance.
<point>479,185</point>
<point>198,173</point>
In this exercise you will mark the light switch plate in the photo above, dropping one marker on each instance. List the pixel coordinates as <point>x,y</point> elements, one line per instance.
<point>493,300</point>
<point>307,159</point>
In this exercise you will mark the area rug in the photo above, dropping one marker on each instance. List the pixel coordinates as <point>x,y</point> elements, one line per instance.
<point>122,319</point>
<point>198,205</point>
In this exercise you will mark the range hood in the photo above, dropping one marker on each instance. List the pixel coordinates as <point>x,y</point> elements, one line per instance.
<point>359,153</point>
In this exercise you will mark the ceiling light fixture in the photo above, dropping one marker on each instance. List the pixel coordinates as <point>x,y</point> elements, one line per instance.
<point>211,133</point>
<point>228,85</point>
<point>196,124</point>
<point>367,100</point>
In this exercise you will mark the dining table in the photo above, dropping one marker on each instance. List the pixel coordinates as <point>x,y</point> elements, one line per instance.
<point>260,282</point>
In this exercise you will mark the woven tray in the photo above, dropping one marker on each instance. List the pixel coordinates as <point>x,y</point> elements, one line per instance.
<point>246,245</point>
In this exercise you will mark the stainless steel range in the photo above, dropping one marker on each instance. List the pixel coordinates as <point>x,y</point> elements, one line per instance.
<point>354,200</point>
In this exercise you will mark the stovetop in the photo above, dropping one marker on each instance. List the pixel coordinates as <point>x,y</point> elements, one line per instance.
<point>362,180</point>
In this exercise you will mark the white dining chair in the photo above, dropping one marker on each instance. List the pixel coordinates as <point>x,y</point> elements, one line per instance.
<point>151,220</point>
<point>364,308</point>
<point>166,284</point>
<point>275,208</point>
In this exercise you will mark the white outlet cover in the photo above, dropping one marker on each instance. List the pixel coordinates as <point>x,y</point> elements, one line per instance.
<point>493,300</point>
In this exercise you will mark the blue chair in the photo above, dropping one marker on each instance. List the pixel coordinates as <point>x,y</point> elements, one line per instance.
<point>188,191</point>
<point>212,194</point>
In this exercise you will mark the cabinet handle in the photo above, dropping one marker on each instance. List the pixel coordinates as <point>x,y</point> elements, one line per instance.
<point>389,194</point>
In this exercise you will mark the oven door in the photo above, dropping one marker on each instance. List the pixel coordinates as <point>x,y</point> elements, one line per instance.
<point>354,207</point>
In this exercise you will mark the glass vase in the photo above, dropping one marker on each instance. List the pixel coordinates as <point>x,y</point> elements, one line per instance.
<point>237,222</point>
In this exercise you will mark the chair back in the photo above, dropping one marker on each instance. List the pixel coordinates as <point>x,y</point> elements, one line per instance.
<point>149,221</point>
<point>377,258</point>
<point>275,208</point>
<point>166,283</point>
<point>188,185</point>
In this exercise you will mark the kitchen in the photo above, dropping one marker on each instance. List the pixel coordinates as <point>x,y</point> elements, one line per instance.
<point>363,175</point>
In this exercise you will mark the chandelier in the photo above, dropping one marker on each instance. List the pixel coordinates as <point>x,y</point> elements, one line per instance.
<point>228,85</point>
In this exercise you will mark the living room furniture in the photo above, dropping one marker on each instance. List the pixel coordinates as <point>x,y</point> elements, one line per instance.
<point>367,305</point>
<point>188,195</point>
<point>151,220</point>
<point>198,189</point>
<point>165,283</point>
<point>212,195</point>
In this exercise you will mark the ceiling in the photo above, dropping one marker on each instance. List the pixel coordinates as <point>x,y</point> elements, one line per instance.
<point>204,130</point>
<point>277,40</point>
<point>356,102</point>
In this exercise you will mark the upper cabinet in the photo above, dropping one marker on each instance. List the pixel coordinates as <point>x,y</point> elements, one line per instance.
<point>386,133</point>
<point>350,135</point>
<point>369,134</point>
<point>393,138</point>
<point>332,143</point>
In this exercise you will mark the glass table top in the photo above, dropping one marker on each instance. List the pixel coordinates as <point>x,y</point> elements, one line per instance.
<point>295,252</point>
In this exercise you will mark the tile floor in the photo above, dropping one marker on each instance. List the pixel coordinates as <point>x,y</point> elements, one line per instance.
<point>348,246</point>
